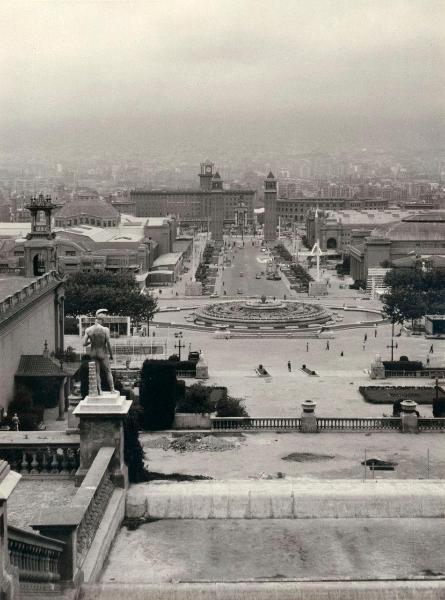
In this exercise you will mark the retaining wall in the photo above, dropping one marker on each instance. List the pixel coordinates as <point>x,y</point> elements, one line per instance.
<point>288,499</point>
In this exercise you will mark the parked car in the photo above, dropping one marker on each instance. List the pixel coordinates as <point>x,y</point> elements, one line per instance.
<point>257,276</point>
<point>239,291</point>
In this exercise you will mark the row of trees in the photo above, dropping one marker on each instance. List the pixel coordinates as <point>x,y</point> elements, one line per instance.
<point>118,292</point>
<point>414,293</point>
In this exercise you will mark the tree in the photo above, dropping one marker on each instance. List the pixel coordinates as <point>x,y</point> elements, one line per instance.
<point>158,394</point>
<point>118,292</point>
<point>414,293</point>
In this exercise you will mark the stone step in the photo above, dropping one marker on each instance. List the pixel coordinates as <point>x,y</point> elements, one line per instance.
<point>334,590</point>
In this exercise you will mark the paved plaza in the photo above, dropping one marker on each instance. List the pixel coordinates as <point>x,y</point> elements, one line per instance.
<point>330,455</point>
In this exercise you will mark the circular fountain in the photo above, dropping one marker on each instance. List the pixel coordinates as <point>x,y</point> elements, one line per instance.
<point>263,313</point>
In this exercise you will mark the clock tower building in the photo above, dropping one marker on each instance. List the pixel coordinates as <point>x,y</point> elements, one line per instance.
<point>206,176</point>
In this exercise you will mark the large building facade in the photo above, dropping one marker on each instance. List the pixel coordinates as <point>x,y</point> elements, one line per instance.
<point>421,235</point>
<point>336,230</point>
<point>210,206</point>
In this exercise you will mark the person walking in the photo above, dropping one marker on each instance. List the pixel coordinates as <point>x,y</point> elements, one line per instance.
<point>289,366</point>
<point>375,332</point>
<point>327,345</point>
<point>307,346</point>
<point>365,339</point>
<point>341,353</point>
<point>432,349</point>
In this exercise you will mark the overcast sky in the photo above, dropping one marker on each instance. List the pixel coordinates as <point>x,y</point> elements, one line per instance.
<point>373,63</point>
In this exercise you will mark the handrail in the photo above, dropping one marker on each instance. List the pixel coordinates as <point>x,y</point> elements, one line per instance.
<point>35,556</point>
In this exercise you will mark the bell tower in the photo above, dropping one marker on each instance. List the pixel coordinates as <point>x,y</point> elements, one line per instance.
<point>270,208</point>
<point>206,176</point>
<point>40,250</point>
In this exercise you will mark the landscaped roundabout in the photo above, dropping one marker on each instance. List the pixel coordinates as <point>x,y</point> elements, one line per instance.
<point>263,312</point>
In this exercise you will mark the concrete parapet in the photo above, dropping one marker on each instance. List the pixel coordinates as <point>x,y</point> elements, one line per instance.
<point>287,590</point>
<point>287,499</point>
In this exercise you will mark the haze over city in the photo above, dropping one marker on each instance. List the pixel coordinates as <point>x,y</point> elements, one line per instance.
<point>221,75</point>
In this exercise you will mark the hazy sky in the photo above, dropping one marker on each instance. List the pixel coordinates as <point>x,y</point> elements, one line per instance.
<point>68,67</point>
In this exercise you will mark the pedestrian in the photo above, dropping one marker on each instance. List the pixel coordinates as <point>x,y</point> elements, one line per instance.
<point>397,345</point>
<point>365,339</point>
<point>375,333</point>
<point>289,366</point>
<point>307,346</point>
<point>432,349</point>
<point>327,345</point>
<point>427,360</point>
<point>341,353</point>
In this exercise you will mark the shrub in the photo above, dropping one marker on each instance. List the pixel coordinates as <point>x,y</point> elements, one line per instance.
<point>158,394</point>
<point>133,451</point>
<point>197,400</point>
<point>231,407</point>
<point>30,416</point>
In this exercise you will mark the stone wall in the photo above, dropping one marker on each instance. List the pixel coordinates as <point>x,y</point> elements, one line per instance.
<point>25,333</point>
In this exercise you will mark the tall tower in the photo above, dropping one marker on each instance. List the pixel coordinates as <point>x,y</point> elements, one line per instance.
<point>217,208</point>
<point>206,176</point>
<point>270,208</point>
<point>40,250</point>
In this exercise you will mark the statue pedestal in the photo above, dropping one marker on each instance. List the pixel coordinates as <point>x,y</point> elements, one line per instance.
<point>101,424</point>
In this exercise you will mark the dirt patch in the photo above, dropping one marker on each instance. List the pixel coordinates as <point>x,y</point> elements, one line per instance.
<point>160,442</point>
<point>196,442</point>
<point>307,457</point>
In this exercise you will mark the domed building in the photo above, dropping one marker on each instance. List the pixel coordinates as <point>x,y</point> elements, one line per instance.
<point>87,211</point>
<point>421,235</point>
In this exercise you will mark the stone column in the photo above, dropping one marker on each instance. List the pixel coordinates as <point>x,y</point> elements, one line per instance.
<point>101,424</point>
<point>408,416</point>
<point>308,418</point>
<point>61,416</point>
<point>9,582</point>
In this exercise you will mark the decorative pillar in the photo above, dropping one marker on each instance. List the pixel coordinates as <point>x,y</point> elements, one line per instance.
<point>202,369</point>
<point>377,368</point>
<point>61,416</point>
<point>408,417</point>
<point>101,424</point>
<point>308,418</point>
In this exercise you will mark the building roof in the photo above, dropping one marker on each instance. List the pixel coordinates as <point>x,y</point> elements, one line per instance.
<point>425,227</point>
<point>168,259</point>
<point>366,217</point>
<point>217,175</point>
<point>271,175</point>
<point>95,208</point>
<point>38,365</point>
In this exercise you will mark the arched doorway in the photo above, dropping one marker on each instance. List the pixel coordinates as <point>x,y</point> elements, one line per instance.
<point>38,265</point>
<point>331,244</point>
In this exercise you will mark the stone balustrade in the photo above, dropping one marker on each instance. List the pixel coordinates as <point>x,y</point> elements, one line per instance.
<point>27,294</point>
<point>323,423</point>
<point>37,559</point>
<point>43,454</point>
<point>77,523</point>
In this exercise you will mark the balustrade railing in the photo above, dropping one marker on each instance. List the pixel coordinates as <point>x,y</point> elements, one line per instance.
<point>359,424</point>
<point>431,424</point>
<point>95,490</point>
<point>186,374</point>
<point>47,459</point>
<point>227,423</point>
<point>294,423</point>
<point>37,559</point>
